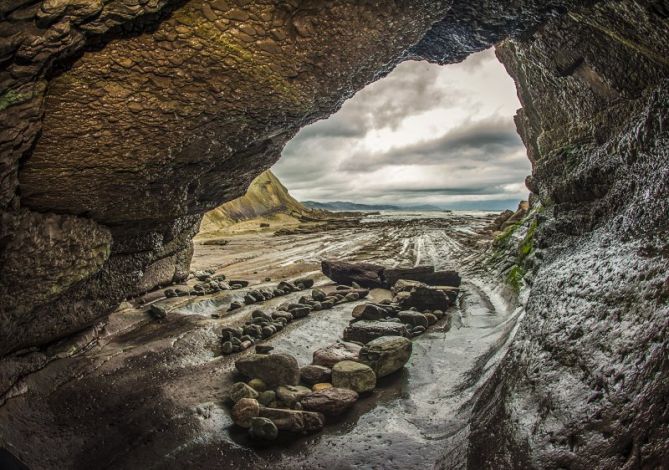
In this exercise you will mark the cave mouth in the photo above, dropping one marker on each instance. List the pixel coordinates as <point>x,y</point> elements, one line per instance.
<point>425,135</point>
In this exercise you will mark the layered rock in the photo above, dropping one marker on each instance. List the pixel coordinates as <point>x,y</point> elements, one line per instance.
<point>587,370</point>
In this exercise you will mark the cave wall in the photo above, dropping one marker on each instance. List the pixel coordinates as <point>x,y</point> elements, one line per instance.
<point>586,380</point>
<point>121,122</point>
<point>131,119</point>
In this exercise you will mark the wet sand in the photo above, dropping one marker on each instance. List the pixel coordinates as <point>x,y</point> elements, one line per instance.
<point>151,394</point>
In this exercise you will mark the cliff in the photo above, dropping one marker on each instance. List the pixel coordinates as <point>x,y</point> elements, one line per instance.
<point>266,198</point>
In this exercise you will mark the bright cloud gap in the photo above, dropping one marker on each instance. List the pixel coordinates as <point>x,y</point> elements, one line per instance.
<point>425,134</point>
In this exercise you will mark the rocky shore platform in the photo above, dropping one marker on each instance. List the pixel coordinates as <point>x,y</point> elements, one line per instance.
<point>259,360</point>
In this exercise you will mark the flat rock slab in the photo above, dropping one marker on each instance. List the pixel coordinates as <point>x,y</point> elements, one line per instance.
<point>294,420</point>
<point>365,331</point>
<point>387,354</point>
<point>273,369</point>
<point>363,274</point>
<point>332,401</point>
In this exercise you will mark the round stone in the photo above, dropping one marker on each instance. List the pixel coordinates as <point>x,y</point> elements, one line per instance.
<point>258,385</point>
<point>354,376</point>
<point>263,429</point>
<point>244,410</point>
<point>241,390</point>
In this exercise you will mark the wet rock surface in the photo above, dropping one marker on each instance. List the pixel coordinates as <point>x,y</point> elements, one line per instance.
<point>178,364</point>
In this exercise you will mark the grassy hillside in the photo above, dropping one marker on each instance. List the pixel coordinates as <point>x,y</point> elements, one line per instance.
<point>266,201</point>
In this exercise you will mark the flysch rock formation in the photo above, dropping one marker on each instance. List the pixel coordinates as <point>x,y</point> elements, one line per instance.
<point>122,122</point>
<point>267,198</point>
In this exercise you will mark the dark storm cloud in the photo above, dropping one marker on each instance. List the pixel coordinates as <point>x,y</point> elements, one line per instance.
<point>482,141</point>
<point>387,144</point>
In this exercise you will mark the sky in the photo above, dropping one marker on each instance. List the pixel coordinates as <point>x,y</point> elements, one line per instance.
<point>424,134</point>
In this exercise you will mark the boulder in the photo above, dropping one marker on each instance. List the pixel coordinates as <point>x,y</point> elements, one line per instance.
<point>426,298</point>
<point>318,295</point>
<point>354,376</point>
<point>365,331</point>
<point>386,354</point>
<point>294,420</point>
<point>413,318</point>
<point>263,429</point>
<point>273,369</point>
<point>369,312</point>
<point>241,390</point>
<point>157,312</point>
<point>314,374</point>
<point>330,355</point>
<point>244,410</point>
<point>331,401</point>
<point>364,274</point>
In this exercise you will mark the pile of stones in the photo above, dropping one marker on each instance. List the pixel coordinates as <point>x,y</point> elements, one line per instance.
<point>414,307</point>
<point>263,325</point>
<point>281,396</point>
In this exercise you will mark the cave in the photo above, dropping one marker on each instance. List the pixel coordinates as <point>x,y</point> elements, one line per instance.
<point>123,122</point>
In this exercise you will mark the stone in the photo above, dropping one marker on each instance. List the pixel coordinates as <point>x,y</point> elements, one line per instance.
<point>405,285</point>
<point>281,314</point>
<point>431,319</point>
<point>239,283</point>
<point>234,306</point>
<point>417,330</point>
<point>306,282</point>
<point>365,331</point>
<point>352,297</point>
<point>426,298</point>
<point>241,390</point>
<point>267,397</point>
<point>353,375</point>
<point>330,355</point>
<point>227,347</point>
<point>369,312</point>
<point>331,401</point>
<point>244,410</point>
<point>413,318</point>
<point>386,354</point>
<point>321,386</point>
<point>264,349</point>
<point>300,312</point>
<point>290,394</point>
<point>313,374</point>
<point>318,295</point>
<point>294,420</point>
<point>261,314</point>
<point>157,312</point>
<point>263,429</point>
<point>258,385</point>
<point>364,274</point>
<point>273,369</point>
<point>287,286</point>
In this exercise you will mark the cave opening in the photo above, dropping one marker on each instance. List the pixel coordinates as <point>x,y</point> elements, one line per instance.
<point>424,136</point>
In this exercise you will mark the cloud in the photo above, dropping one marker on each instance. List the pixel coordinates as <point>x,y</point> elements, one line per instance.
<point>423,134</point>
